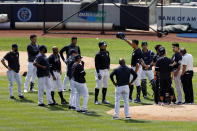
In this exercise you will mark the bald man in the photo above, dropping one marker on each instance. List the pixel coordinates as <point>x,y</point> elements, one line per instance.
<point>122,83</point>
<point>55,71</point>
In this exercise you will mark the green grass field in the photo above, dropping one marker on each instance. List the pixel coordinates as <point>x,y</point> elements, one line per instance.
<point>26,115</point>
<point>89,47</point>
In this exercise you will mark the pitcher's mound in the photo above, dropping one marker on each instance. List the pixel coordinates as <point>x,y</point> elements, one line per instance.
<point>164,113</point>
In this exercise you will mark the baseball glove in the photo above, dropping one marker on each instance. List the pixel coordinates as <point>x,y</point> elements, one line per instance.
<point>24,73</point>
<point>120,35</point>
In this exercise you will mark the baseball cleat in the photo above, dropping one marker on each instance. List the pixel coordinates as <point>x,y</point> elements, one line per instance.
<point>105,102</point>
<point>64,90</point>
<point>79,111</point>
<point>21,97</point>
<point>42,104</point>
<point>130,99</point>
<point>137,101</point>
<point>128,118</point>
<point>64,102</point>
<point>12,97</point>
<point>115,118</point>
<point>96,103</point>
<point>52,104</point>
<point>145,97</point>
<point>69,90</point>
<point>25,91</point>
<point>84,111</point>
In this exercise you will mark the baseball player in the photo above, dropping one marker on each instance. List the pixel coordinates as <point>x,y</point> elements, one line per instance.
<point>13,67</point>
<point>136,66</point>
<point>79,82</point>
<point>156,75</point>
<point>102,65</point>
<point>67,49</point>
<point>164,67</point>
<point>32,50</point>
<point>147,57</point>
<point>55,70</point>
<point>70,61</point>
<point>176,59</point>
<point>187,75</point>
<point>43,73</point>
<point>122,83</point>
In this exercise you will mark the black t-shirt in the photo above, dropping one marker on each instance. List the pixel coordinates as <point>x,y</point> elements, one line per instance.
<point>102,60</point>
<point>55,63</point>
<point>122,74</point>
<point>78,73</point>
<point>70,61</point>
<point>42,60</point>
<point>164,67</point>
<point>13,60</point>
<point>176,58</point>
<point>67,49</point>
<point>136,57</point>
<point>155,58</point>
<point>33,51</point>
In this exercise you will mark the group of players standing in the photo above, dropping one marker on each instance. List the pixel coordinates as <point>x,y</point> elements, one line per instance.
<point>48,70</point>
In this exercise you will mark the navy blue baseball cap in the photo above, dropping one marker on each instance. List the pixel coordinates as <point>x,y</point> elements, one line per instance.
<point>144,43</point>
<point>14,46</point>
<point>78,57</point>
<point>162,51</point>
<point>102,43</point>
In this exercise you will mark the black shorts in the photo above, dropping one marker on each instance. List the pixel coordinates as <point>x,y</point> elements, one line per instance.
<point>166,87</point>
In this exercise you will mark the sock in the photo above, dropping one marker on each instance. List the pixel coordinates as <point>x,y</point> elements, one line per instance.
<point>96,94</point>
<point>138,92</point>
<point>130,91</point>
<point>52,95</point>
<point>61,95</point>
<point>104,91</point>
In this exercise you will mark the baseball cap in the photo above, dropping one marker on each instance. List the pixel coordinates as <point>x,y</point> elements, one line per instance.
<point>162,51</point>
<point>175,44</point>
<point>144,43</point>
<point>14,46</point>
<point>78,57</point>
<point>102,43</point>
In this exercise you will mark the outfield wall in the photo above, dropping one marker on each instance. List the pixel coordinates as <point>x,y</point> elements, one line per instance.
<point>57,12</point>
<point>178,15</point>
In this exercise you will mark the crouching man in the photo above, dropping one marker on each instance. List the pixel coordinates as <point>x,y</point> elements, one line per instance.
<point>122,74</point>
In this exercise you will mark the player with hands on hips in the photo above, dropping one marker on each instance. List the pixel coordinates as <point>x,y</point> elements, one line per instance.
<point>102,65</point>
<point>122,83</point>
<point>13,73</point>
<point>55,71</point>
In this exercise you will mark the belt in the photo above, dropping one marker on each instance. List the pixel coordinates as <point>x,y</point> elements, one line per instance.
<point>189,71</point>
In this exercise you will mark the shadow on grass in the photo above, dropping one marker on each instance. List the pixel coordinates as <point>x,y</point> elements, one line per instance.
<point>109,105</point>
<point>143,103</point>
<point>57,107</point>
<point>25,100</point>
<point>91,93</point>
<point>135,121</point>
<point>91,113</point>
<point>150,99</point>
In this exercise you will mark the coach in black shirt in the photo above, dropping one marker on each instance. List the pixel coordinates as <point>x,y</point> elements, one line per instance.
<point>164,67</point>
<point>122,74</point>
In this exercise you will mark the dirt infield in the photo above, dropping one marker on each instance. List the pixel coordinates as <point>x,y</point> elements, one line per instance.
<point>163,113</point>
<point>140,35</point>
